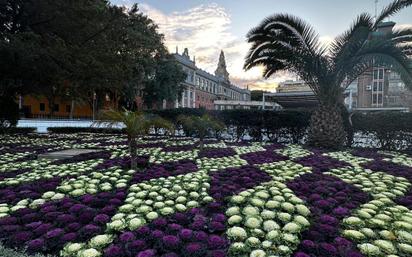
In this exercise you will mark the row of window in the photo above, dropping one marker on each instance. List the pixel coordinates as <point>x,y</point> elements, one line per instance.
<point>56,107</point>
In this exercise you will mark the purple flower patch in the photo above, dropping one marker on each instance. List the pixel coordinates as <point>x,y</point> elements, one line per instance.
<point>48,228</point>
<point>216,152</point>
<point>232,181</point>
<point>321,163</point>
<point>262,157</point>
<point>165,170</point>
<point>330,200</point>
<point>192,233</point>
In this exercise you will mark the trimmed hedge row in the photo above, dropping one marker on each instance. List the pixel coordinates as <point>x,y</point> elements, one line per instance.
<point>15,130</point>
<point>388,130</point>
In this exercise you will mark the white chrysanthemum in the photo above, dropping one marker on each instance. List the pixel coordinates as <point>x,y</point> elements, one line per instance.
<point>90,253</point>
<point>290,208</point>
<point>258,253</point>
<point>235,219</point>
<point>252,222</point>
<point>385,246</point>
<point>152,215</point>
<point>100,241</point>
<point>406,248</point>
<point>270,225</point>
<point>237,199</point>
<point>302,209</point>
<point>237,233</point>
<point>232,211</point>
<point>353,234</point>
<point>253,242</point>
<point>369,249</point>
<point>250,211</point>
<point>273,235</point>
<point>292,227</point>
<point>257,202</point>
<point>73,247</point>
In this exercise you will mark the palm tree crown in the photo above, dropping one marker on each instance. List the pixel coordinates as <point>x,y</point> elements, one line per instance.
<point>285,42</point>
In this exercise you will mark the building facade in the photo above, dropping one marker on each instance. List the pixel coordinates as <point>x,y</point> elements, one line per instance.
<point>202,89</point>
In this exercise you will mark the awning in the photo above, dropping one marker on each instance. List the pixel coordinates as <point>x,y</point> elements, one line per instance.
<point>293,99</point>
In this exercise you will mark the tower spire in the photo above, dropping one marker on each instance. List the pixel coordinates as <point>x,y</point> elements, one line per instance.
<point>221,67</point>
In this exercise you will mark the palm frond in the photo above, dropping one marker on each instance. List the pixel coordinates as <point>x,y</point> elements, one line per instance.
<point>392,9</point>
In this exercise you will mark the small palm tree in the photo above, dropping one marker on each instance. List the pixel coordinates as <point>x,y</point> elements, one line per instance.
<point>201,126</point>
<point>135,124</point>
<point>160,124</point>
<point>285,42</point>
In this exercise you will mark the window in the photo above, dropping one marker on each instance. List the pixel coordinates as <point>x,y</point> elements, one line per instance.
<point>56,107</point>
<point>375,86</point>
<point>374,99</point>
<point>380,100</point>
<point>380,86</point>
<point>42,107</point>
<point>68,108</point>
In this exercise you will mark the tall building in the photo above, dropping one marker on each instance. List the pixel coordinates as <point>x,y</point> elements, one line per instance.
<point>378,88</point>
<point>202,89</point>
<point>382,88</point>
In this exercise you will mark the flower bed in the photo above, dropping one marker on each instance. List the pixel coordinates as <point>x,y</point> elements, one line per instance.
<point>230,199</point>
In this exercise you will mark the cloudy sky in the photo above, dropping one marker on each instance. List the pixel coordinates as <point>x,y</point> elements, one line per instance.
<point>206,27</point>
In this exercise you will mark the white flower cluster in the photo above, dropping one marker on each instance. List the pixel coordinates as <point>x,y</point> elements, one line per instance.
<point>215,164</point>
<point>266,220</point>
<point>294,151</point>
<point>248,149</point>
<point>160,197</point>
<point>162,156</point>
<point>51,171</point>
<point>378,184</point>
<point>283,171</point>
<point>96,182</point>
<point>348,157</point>
<point>381,228</point>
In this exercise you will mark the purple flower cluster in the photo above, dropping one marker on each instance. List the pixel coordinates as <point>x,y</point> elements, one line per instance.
<point>273,146</point>
<point>12,174</point>
<point>368,153</point>
<point>231,181</point>
<point>165,170</point>
<point>240,143</point>
<point>196,233</point>
<point>395,170</point>
<point>151,145</point>
<point>262,157</point>
<point>84,157</point>
<point>123,162</point>
<point>217,152</point>
<point>321,163</point>
<point>179,148</point>
<point>330,200</point>
<point>48,228</point>
<point>31,190</point>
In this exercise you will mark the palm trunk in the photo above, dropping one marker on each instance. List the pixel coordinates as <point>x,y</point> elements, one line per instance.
<point>327,128</point>
<point>72,109</point>
<point>133,152</point>
<point>201,143</point>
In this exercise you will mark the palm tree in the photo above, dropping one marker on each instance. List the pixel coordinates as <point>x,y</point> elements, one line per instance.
<point>135,124</point>
<point>200,126</point>
<point>285,42</point>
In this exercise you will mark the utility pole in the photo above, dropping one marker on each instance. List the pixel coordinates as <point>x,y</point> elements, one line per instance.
<point>376,9</point>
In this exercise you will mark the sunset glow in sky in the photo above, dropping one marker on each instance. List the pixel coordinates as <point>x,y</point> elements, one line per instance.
<point>206,27</point>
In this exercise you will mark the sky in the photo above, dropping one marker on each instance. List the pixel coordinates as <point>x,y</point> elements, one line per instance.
<point>207,27</point>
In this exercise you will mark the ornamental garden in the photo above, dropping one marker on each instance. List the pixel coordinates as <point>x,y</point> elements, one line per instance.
<point>227,199</point>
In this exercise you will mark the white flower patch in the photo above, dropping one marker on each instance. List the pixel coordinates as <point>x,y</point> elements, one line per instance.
<point>293,151</point>
<point>348,157</point>
<point>265,221</point>
<point>284,171</point>
<point>377,184</point>
<point>215,164</point>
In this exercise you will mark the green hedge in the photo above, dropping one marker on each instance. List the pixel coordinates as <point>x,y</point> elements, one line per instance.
<point>391,130</point>
<point>70,130</point>
<point>15,130</point>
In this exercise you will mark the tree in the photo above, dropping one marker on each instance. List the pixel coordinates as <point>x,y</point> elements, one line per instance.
<point>136,124</point>
<point>256,95</point>
<point>200,126</point>
<point>165,82</point>
<point>77,49</point>
<point>285,42</point>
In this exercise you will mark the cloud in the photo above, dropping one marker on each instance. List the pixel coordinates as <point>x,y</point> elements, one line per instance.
<point>206,30</point>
